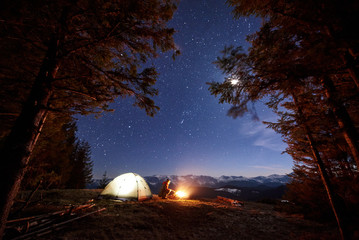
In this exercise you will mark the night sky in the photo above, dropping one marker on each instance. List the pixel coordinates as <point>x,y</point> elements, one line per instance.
<point>191,134</point>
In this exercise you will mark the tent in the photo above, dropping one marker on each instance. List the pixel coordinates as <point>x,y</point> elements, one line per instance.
<point>128,186</point>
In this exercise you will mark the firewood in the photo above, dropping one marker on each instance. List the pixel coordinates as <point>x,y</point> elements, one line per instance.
<point>55,226</point>
<point>230,201</point>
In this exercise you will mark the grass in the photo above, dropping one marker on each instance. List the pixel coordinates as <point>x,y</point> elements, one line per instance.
<point>175,219</point>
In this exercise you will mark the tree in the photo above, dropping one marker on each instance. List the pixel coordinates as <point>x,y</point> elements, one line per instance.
<point>75,57</point>
<point>299,50</point>
<point>104,181</point>
<point>324,44</point>
<point>51,158</point>
<point>338,168</point>
<point>81,173</point>
<point>59,159</point>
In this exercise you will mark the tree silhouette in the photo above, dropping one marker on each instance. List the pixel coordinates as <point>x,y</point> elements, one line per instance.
<point>75,57</point>
<point>104,181</point>
<point>51,158</point>
<point>81,172</point>
<point>303,63</point>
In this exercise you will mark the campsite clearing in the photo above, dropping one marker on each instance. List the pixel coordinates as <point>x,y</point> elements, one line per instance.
<point>178,219</point>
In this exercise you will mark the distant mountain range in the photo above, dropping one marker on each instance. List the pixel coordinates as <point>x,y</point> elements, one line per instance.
<point>271,181</point>
<point>236,187</point>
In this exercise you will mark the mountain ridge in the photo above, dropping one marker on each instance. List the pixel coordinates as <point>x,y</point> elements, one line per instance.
<point>274,180</point>
<point>155,181</point>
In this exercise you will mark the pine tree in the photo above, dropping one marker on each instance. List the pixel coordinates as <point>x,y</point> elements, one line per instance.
<point>302,48</point>
<point>50,161</point>
<point>104,181</point>
<point>322,47</point>
<point>74,57</point>
<point>81,173</point>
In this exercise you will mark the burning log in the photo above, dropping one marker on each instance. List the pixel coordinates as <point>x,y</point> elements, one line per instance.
<point>180,194</point>
<point>230,201</point>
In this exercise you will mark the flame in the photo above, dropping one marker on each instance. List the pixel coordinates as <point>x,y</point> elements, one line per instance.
<point>181,194</point>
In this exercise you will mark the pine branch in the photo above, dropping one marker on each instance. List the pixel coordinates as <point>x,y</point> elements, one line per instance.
<point>106,73</point>
<point>76,92</point>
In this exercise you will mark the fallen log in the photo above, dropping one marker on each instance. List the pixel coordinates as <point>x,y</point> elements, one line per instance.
<point>20,219</point>
<point>230,201</point>
<point>28,225</point>
<point>74,209</point>
<point>62,212</point>
<point>53,227</point>
<point>37,216</point>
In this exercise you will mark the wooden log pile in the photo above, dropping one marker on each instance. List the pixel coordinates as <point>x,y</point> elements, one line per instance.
<point>230,201</point>
<point>40,225</point>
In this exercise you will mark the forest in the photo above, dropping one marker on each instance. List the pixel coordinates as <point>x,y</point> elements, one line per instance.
<point>63,58</point>
<point>303,62</point>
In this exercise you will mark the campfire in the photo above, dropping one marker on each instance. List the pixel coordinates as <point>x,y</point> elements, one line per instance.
<point>181,194</point>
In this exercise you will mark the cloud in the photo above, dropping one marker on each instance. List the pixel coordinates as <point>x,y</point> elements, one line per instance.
<point>264,137</point>
<point>270,142</point>
<point>273,168</point>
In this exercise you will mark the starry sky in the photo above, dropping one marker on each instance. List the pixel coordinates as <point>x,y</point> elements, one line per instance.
<point>191,133</point>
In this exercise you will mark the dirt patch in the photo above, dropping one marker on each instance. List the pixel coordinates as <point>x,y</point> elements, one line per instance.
<point>191,219</point>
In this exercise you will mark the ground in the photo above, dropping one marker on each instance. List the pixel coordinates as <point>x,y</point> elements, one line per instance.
<point>181,219</point>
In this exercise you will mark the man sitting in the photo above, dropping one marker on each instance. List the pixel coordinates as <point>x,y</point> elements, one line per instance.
<point>165,191</point>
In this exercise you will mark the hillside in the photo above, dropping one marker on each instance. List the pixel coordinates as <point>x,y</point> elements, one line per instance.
<point>176,219</point>
<point>239,193</point>
<point>236,187</point>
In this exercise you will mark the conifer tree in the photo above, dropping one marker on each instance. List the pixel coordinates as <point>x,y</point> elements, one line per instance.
<point>59,160</point>
<point>323,47</point>
<point>302,48</point>
<point>51,159</point>
<point>81,173</point>
<point>76,57</point>
<point>104,181</point>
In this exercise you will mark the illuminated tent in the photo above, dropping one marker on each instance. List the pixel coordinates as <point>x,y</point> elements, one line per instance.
<point>128,186</point>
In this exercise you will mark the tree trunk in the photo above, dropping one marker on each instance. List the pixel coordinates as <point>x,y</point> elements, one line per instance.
<point>336,203</point>
<point>349,62</point>
<point>344,120</point>
<point>20,143</point>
